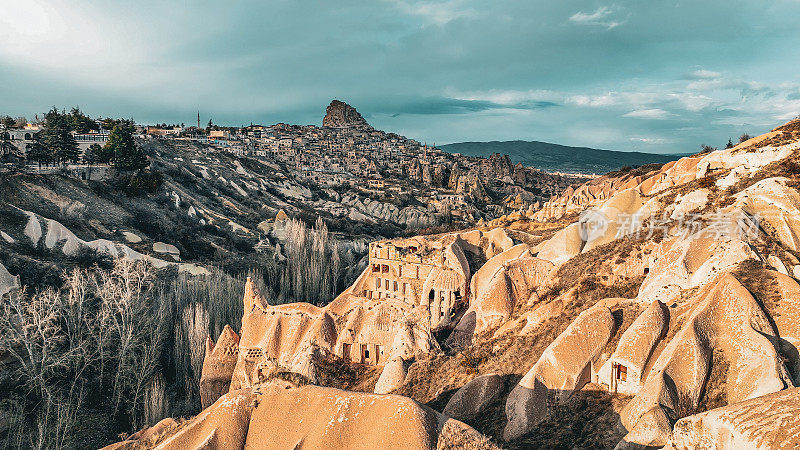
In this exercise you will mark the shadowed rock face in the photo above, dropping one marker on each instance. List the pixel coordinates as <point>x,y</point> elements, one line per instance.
<point>339,114</point>
<point>473,397</point>
<point>787,322</point>
<point>8,282</point>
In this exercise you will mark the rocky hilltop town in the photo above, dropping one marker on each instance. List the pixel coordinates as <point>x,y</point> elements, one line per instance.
<point>342,287</point>
<point>345,168</point>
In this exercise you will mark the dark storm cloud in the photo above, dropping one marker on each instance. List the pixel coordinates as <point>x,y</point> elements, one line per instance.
<point>443,105</point>
<point>627,75</point>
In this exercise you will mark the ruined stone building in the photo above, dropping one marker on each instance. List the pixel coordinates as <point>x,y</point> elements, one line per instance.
<point>410,288</point>
<point>419,274</point>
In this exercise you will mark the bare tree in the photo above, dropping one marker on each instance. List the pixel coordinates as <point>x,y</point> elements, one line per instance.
<point>49,341</point>
<point>126,319</point>
<point>191,331</point>
<point>312,263</point>
<point>100,331</point>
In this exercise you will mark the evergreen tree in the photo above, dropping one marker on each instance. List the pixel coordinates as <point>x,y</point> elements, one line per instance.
<point>80,122</point>
<point>57,137</point>
<point>8,122</point>
<point>706,148</point>
<point>97,154</point>
<point>729,144</point>
<point>127,156</point>
<point>6,146</point>
<point>36,151</point>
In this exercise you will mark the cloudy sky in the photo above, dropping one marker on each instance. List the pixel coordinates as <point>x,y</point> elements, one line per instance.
<point>658,76</point>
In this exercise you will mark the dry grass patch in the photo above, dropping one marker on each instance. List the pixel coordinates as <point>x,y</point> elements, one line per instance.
<point>582,269</point>
<point>715,392</point>
<point>761,283</point>
<point>337,373</point>
<point>455,436</point>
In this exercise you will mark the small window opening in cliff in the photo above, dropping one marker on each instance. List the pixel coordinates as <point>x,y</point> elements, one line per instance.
<point>621,372</point>
<point>431,295</point>
<point>385,268</point>
<point>646,270</point>
<point>457,295</point>
<point>364,353</point>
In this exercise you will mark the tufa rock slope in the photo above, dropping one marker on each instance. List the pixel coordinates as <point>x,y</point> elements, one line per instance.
<point>650,308</point>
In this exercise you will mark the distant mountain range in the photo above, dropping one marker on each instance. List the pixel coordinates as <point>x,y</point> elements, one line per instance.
<point>559,158</point>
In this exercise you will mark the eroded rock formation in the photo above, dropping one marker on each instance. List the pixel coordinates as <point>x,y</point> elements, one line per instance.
<point>339,115</point>
<point>279,416</point>
<point>769,421</point>
<point>219,364</point>
<point>565,366</point>
<point>723,316</point>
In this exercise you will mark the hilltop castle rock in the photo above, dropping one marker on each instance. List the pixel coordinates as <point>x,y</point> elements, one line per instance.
<point>341,115</point>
